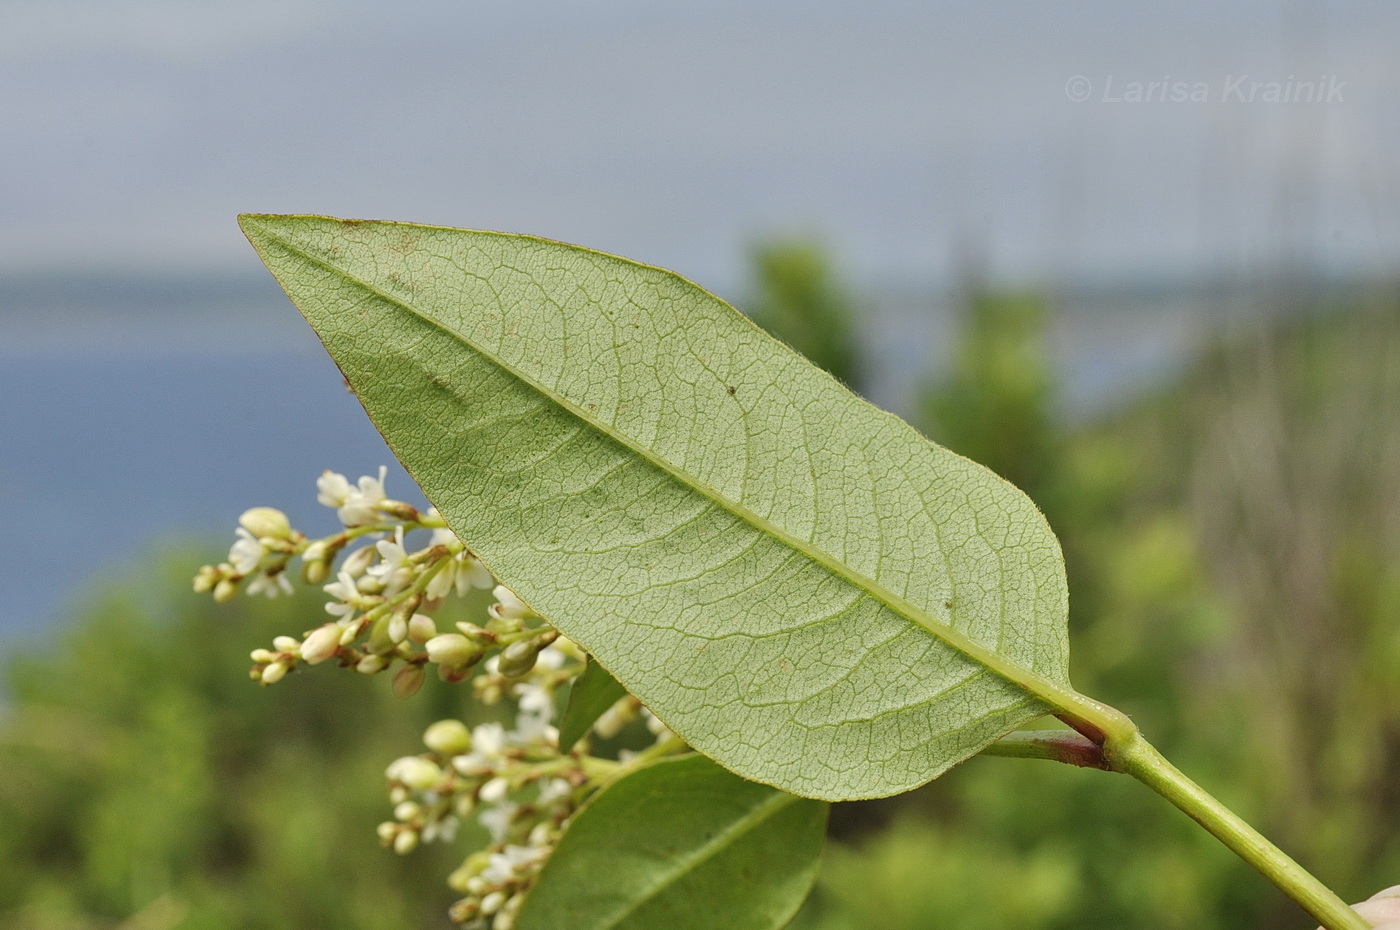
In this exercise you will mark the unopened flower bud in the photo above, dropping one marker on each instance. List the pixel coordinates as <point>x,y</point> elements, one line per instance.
<point>472,631</point>
<point>386,831</point>
<point>359,560</point>
<point>262,656</point>
<point>415,772</point>
<point>518,658</point>
<point>372,665</point>
<point>407,810</point>
<point>406,842</point>
<point>380,642</point>
<point>421,628</point>
<point>408,680</point>
<point>448,737</point>
<point>398,628</point>
<point>274,673</point>
<point>321,644</point>
<point>452,650</point>
<point>492,902</point>
<point>402,511</point>
<point>225,590</point>
<point>207,578</point>
<point>494,791</point>
<point>315,571</point>
<point>285,644</point>
<point>266,521</point>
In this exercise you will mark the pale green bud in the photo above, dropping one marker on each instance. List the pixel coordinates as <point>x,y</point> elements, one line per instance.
<point>406,842</point>
<point>274,673</point>
<point>262,656</point>
<point>408,810</point>
<point>415,772</point>
<point>380,642</point>
<point>453,650</point>
<point>207,578</point>
<point>518,658</point>
<point>266,521</point>
<point>421,628</point>
<point>315,571</point>
<point>372,664</point>
<point>225,590</point>
<point>286,644</point>
<point>448,737</point>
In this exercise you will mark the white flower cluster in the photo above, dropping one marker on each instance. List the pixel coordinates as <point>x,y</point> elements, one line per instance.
<point>516,782</point>
<point>382,593</point>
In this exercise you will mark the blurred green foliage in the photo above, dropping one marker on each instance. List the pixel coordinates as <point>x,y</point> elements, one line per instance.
<point>1233,543</point>
<point>798,297</point>
<point>148,784</point>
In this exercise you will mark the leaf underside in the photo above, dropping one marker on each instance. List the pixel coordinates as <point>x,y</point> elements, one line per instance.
<point>683,845</point>
<point>795,582</point>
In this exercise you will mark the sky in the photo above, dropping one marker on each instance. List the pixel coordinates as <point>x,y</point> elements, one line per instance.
<point>905,134</point>
<point>155,382</point>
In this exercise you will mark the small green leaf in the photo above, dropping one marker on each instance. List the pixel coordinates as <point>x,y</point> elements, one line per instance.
<point>681,845</point>
<point>593,693</point>
<point>798,584</point>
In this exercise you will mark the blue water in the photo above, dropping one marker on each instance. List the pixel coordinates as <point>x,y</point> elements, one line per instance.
<point>104,456</point>
<point>140,414</point>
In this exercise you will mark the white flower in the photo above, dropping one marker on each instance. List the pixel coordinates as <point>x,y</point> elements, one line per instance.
<point>345,596</point>
<point>508,606</point>
<point>462,572</point>
<point>550,658</point>
<point>442,536</point>
<point>497,819</point>
<point>502,866</point>
<point>270,585</point>
<point>488,749</point>
<point>361,502</point>
<point>555,789</point>
<point>444,829</point>
<point>531,730</point>
<point>535,701</point>
<point>654,724</point>
<point>393,569</point>
<point>494,791</point>
<point>247,553</point>
<point>489,739</point>
<point>333,489</point>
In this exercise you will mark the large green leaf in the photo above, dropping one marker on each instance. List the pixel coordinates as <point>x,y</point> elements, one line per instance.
<point>682,845</point>
<point>800,585</point>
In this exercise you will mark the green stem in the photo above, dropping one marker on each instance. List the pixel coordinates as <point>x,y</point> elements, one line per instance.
<point>1138,758</point>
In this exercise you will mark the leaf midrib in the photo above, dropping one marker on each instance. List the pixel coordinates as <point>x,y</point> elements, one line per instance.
<point>701,854</point>
<point>1052,693</point>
